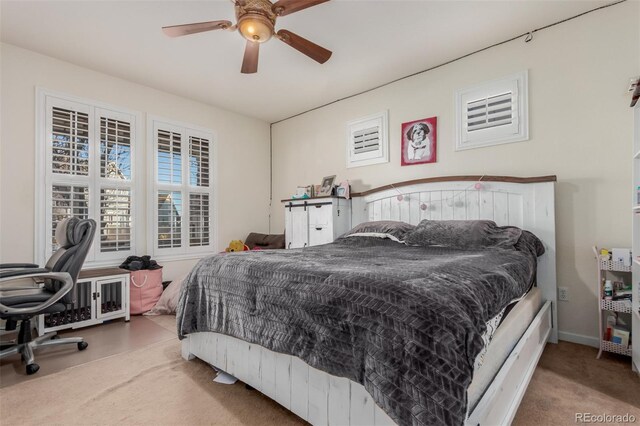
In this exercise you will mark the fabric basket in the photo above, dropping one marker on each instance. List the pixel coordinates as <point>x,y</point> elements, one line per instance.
<point>145,290</point>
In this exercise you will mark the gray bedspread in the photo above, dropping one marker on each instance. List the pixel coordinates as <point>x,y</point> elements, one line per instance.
<point>406,322</point>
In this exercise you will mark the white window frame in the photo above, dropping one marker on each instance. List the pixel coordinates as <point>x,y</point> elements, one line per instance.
<point>518,131</point>
<point>186,130</point>
<point>374,157</point>
<point>45,179</point>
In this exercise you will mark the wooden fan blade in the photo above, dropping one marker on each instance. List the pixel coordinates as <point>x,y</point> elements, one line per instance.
<point>199,27</point>
<point>286,7</point>
<point>312,50</point>
<point>250,61</point>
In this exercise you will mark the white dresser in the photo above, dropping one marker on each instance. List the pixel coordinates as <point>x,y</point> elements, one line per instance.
<point>315,221</point>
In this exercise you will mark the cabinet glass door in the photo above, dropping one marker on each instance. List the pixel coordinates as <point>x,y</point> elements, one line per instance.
<point>110,297</point>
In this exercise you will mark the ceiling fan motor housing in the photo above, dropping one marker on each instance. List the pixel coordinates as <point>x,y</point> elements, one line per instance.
<point>256,20</point>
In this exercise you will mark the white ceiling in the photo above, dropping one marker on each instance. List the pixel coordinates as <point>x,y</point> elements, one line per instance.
<point>373,42</point>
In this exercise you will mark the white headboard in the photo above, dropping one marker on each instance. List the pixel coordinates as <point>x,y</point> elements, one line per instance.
<point>528,203</point>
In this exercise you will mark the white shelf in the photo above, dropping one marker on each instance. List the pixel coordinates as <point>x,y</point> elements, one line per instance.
<point>636,208</point>
<point>622,306</point>
<point>612,265</point>
<point>608,346</point>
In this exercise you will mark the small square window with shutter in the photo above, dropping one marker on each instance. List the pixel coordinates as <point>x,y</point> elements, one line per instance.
<point>492,113</point>
<point>367,141</point>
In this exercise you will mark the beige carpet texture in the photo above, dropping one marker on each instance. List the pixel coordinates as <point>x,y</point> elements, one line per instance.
<point>153,385</point>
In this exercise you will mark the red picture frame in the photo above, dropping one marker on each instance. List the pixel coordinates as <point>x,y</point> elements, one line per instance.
<point>419,141</point>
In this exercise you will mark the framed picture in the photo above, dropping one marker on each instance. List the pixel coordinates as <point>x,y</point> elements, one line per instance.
<point>343,190</point>
<point>326,186</point>
<point>419,141</point>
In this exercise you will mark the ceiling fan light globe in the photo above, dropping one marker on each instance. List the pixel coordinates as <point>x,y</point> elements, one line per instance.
<point>255,28</point>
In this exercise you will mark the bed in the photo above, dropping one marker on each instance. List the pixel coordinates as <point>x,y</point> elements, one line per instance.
<point>310,359</point>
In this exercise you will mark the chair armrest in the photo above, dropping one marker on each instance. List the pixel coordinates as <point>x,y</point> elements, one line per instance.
<point>17,273</point>
<point>57,276</point>
<point>18,265</point>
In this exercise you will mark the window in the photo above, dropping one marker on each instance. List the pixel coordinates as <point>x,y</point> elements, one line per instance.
<point>367,141</point>
<point>86,169</point>
<point>492,113</point>
<point>182,189</point>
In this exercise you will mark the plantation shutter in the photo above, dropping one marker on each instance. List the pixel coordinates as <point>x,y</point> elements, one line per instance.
<point>183,189</point>
<point>67,201</point>
<point>69,142</point>
<point>115,148</point>
<point>169,219</point>
<point>198,201</point>
<point>368,141</point>
<point>492,111</point>
<point>116,199</point>
<point>198,219</point>
<point>88,173</point>
<point>169,157</point>
<point>115,219</point>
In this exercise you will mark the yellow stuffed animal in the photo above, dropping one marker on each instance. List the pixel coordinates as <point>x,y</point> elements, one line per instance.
<point>236,245</point>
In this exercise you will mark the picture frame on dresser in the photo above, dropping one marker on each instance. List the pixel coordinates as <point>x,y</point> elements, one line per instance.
<point>326,186</point>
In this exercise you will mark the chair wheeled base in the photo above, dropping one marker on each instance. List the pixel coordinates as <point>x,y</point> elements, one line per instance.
<point>26,345</point>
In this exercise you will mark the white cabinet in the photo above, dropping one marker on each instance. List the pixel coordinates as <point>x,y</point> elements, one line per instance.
<point>101,295</point>
<point>315,221</point>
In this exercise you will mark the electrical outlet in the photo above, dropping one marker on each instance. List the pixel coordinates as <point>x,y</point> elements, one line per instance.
<point>563,294</point>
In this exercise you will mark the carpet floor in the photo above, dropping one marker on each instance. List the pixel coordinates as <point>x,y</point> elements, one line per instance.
<point>153,385</point>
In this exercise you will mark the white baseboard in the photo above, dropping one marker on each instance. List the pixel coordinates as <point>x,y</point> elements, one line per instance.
<point>579,338</point>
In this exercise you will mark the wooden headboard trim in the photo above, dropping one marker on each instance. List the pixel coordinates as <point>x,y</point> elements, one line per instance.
<point>470,178</point>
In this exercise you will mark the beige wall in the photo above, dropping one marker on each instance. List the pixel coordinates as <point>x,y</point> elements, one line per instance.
<point>580,130</point>
<point>243,148</point>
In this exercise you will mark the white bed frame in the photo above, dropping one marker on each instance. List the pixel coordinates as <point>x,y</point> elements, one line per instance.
<point>321,398</point>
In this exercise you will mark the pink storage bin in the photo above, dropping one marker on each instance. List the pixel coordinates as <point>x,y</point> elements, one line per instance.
<point>145,289</point>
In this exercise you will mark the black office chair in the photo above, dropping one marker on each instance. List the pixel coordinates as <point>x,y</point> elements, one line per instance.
<point>74,236</point>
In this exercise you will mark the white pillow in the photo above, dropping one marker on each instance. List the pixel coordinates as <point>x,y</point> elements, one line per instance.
<point>169,300</point>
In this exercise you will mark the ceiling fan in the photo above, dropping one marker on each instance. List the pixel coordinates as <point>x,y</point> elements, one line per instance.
<point>256,22</point>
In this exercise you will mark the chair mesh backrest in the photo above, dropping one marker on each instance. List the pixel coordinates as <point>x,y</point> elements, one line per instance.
<point>70,258</point>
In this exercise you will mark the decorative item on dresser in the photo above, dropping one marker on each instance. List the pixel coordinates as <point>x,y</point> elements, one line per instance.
<point>315,221</point>
<point>101,295</point>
